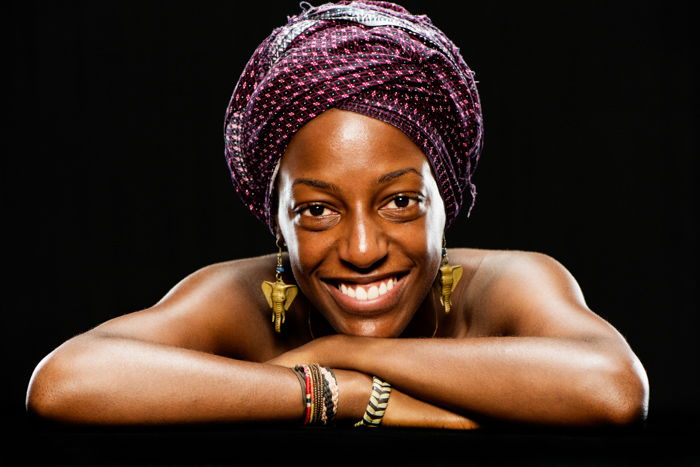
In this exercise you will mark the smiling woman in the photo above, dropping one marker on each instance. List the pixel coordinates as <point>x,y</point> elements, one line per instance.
<point>364,232</point>
<point>353,134</point>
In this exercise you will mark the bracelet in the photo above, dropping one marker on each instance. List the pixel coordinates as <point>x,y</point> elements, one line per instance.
<point>378,400</point>
<point>318,395</point>
<point>302,382</point>
<point>307,391</point>
<point>330,394</point>
<point>319,389</point>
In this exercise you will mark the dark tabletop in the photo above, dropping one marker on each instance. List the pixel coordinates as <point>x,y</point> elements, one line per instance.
<point>664,443</point>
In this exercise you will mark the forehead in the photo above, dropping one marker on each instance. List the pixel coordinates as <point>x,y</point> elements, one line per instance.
<point>342,141</point>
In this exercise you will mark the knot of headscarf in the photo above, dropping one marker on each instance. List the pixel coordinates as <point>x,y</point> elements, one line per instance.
<point>369,57</point>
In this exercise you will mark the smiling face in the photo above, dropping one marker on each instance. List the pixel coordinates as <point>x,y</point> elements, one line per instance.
<point>363,221</point>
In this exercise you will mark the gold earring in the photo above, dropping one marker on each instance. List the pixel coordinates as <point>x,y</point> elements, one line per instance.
<point>278,294</point>
<point>449,278</point>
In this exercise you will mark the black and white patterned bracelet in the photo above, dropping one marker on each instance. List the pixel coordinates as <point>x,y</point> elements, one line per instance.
<point>378,400</point>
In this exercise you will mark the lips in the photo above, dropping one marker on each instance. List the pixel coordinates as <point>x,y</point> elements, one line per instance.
<point>367,298</point>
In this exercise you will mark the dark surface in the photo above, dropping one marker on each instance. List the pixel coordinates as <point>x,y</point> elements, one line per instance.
<point>235,445</point>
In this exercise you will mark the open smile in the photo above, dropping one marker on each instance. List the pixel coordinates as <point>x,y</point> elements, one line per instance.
<point>367,298</point>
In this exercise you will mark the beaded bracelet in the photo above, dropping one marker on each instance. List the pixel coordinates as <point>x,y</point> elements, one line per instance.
<point>319,393</point>
<point>304,376</point>
<point>378,400</point>
<point>330,395</point>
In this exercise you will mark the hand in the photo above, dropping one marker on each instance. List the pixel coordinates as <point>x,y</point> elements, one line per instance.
<point>404,410</point>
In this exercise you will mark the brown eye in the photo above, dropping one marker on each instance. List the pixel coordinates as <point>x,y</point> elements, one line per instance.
<point>403,207</point>
<point>402,201</point>
<point>316,217</point>
<point>316,210</point>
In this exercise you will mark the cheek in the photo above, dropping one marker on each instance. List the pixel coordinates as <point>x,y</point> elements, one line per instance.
<point>422,240</point>
<point>294,244</point>
<point>428,247</point>
<point>435,226</point>
<point>289,235</point>
<point>305,255</point>
<point>302,255</point>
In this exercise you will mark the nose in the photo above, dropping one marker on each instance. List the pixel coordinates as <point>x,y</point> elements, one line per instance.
<point>364,245</point>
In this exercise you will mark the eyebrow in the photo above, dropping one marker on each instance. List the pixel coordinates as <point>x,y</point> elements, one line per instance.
<point>316,184</point>
<point>396,174</point>
<point>331,187</point>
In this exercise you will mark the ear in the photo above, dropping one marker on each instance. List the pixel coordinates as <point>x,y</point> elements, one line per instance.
<point>276,230</point>
<point>279,239</point>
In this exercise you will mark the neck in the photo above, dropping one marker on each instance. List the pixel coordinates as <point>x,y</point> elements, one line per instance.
<point>428,319</point>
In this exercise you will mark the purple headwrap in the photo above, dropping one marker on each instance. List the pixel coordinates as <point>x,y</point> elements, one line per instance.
<point>370,57</point>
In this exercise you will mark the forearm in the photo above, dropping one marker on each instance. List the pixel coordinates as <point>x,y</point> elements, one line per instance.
<point>114,380</point>
<point>94,379</point>
<point>520,379</point>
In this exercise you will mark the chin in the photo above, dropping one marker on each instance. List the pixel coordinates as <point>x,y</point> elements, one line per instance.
<point>370,329</point>
<point>385,325</point>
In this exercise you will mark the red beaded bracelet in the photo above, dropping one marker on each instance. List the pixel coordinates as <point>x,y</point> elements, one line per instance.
<point>319,393</point>
<point>309,402</point>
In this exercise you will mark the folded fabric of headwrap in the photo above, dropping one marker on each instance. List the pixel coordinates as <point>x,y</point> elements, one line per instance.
<point>369,57</point>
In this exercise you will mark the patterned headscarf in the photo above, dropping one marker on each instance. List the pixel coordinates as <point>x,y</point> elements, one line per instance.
<point>370,57</point>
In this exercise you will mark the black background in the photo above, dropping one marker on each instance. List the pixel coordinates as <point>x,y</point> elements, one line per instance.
<point>115,185</point>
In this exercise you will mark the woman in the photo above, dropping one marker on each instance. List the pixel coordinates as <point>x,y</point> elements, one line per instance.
<point>353,133</point>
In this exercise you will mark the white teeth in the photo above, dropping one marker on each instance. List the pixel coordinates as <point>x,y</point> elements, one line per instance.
<point>373,292</point>
<point>361,293</point>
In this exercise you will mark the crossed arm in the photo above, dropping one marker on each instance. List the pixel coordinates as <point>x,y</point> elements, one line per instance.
<point>158,366</point>
<point>542,358</point>
<point>533,380</point>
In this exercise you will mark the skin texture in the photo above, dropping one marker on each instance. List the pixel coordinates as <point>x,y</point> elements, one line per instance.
<point>357,205</point>
<point>360,219</point>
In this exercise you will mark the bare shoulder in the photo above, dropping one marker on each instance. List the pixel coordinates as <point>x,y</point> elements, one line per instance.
<point>514,292</point>
<point>224,282</point>
<point>216,309</point>
<point>490,268</point>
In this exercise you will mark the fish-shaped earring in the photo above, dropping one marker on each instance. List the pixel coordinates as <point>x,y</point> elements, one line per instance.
<point>449,278</point>
<point>278,294</point>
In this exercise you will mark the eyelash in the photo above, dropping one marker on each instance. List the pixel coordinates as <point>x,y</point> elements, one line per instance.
<point>300,210</point>
<point>408,197</point>
<point>393,199</point>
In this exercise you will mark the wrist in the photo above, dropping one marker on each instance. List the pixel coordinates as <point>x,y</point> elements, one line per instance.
<point>347,352</point>
<point>319,387</point>
<point>354,391</point>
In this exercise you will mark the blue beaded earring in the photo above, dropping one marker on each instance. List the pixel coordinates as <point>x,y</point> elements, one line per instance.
<point>278,294</point>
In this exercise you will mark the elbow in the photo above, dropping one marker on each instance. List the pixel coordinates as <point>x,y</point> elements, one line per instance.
<point>41,398</point>
<point>627,411</point>
<point>624,396</point>
<point>50,392</point>
<point>38,405</point>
